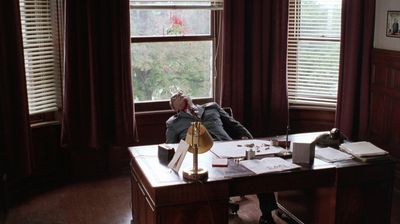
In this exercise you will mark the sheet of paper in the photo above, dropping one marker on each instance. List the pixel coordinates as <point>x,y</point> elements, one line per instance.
<point>331,155</point>
<point>268,165</point>
<point>234,149</point>
<point>179,156</point>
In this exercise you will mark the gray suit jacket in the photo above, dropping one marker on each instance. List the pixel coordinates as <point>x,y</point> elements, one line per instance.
<point>219,124</point>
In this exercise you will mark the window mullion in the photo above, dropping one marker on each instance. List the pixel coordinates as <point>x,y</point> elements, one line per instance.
<point>170,38</point>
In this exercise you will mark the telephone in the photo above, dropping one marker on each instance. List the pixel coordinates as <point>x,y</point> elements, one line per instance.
<point>332,139</point>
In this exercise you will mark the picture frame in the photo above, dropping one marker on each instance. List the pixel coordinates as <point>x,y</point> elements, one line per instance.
<point>393,24</point>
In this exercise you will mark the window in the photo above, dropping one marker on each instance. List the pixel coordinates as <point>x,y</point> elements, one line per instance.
<point>313,53</point>
<point>41,55</point>
<point>173,47</point>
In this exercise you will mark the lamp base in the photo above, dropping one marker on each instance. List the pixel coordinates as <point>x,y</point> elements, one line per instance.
<point>200,174</point>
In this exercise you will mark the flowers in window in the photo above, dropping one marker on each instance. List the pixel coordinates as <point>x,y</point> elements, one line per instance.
<point>176,27</point>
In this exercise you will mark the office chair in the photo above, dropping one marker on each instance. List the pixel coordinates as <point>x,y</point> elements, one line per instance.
<point>228,110</point>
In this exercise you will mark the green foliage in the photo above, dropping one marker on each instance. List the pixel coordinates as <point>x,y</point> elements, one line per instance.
<point>163,68</point>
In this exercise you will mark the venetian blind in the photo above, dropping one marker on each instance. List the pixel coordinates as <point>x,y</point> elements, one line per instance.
<point>212,4</point>
<point>42,64</point>
<point>313,53</point>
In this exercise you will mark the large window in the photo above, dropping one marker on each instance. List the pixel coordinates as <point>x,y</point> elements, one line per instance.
<point>313,53</point>
<point>39,22</point>
<point>173,47</point>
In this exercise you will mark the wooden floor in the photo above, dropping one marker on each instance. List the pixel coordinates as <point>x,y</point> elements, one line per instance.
<point>108,202</point>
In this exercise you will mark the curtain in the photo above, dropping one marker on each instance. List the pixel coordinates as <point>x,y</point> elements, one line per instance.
<point>354,69</point>
<point>15,140</point>
<point>254,64</point>
<point>98,99</point>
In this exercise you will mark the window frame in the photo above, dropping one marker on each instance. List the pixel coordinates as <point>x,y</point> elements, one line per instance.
<point>215,26</point>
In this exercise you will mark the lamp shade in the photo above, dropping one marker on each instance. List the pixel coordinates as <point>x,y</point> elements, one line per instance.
<point>198,134</point>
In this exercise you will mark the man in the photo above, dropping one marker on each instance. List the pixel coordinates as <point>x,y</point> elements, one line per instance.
<point>222,127</point>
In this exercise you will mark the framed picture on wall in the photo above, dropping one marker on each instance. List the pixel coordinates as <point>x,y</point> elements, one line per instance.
<point>393,24</point>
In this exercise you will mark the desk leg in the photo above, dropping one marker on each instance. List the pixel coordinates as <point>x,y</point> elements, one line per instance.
<point>371,203</point>
<point>309,206</point>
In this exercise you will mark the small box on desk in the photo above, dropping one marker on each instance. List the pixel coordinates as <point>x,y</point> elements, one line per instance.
<point>303,153</point>
<point>165,153</point>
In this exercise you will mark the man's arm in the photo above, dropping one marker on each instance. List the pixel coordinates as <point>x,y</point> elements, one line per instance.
<point>171,136</point>
<point>233,127</point>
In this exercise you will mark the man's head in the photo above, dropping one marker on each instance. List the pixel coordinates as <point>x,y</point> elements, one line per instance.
<point>180,102</point>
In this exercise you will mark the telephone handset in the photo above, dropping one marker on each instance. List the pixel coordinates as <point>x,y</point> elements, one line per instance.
<point>332,139</point>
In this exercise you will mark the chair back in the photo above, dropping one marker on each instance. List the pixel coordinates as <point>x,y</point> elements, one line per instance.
<point>228,110</point>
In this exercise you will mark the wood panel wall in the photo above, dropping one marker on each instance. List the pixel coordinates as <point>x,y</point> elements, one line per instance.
<point>384,122</point>
<point>151,126</point>
<point>302,120</point>
<point>3,201</point>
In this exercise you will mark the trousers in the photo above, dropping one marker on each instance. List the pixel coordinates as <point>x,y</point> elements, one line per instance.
<point>267,203</point>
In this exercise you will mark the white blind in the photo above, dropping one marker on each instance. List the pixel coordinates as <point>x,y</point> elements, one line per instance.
<point>313,53</point>
<point>212,4</point>
<point>42,64</point>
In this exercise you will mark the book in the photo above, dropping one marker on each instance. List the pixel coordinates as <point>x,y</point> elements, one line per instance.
<point>372,158</point>
<point>331,155</point>
<point>220,162</point>
<point>362,149</point>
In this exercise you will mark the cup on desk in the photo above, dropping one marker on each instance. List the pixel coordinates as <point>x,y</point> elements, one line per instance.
<point>250,154</point>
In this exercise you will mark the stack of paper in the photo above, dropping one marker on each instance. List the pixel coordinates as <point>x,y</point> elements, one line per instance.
<point>362,149</point>
<point>331,155</point>
<point>235,149</point>
<point>268,165</point>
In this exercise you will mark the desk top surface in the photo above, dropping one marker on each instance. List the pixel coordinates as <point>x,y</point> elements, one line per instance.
<point>159,175</point>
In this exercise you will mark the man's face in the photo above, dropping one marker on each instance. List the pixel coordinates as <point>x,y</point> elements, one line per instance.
<point>179,101</point>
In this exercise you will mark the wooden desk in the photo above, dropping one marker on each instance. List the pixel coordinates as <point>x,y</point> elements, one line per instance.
<point>161,196</point>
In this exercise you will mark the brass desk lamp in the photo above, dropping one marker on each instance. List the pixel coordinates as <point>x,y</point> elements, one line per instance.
<point>200,141</point>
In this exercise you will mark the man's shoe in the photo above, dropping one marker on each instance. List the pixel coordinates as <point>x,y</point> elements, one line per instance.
<point>277,216</point>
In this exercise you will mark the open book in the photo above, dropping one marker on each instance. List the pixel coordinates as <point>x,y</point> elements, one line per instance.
<point>362,149</point>
<point>268,165</point>
<point>331,155</point>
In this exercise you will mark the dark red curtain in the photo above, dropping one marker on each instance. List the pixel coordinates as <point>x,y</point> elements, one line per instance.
<point>354,70</point>
<point>254,64</point>
<point>14,116</point>
<point>98,100</point>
